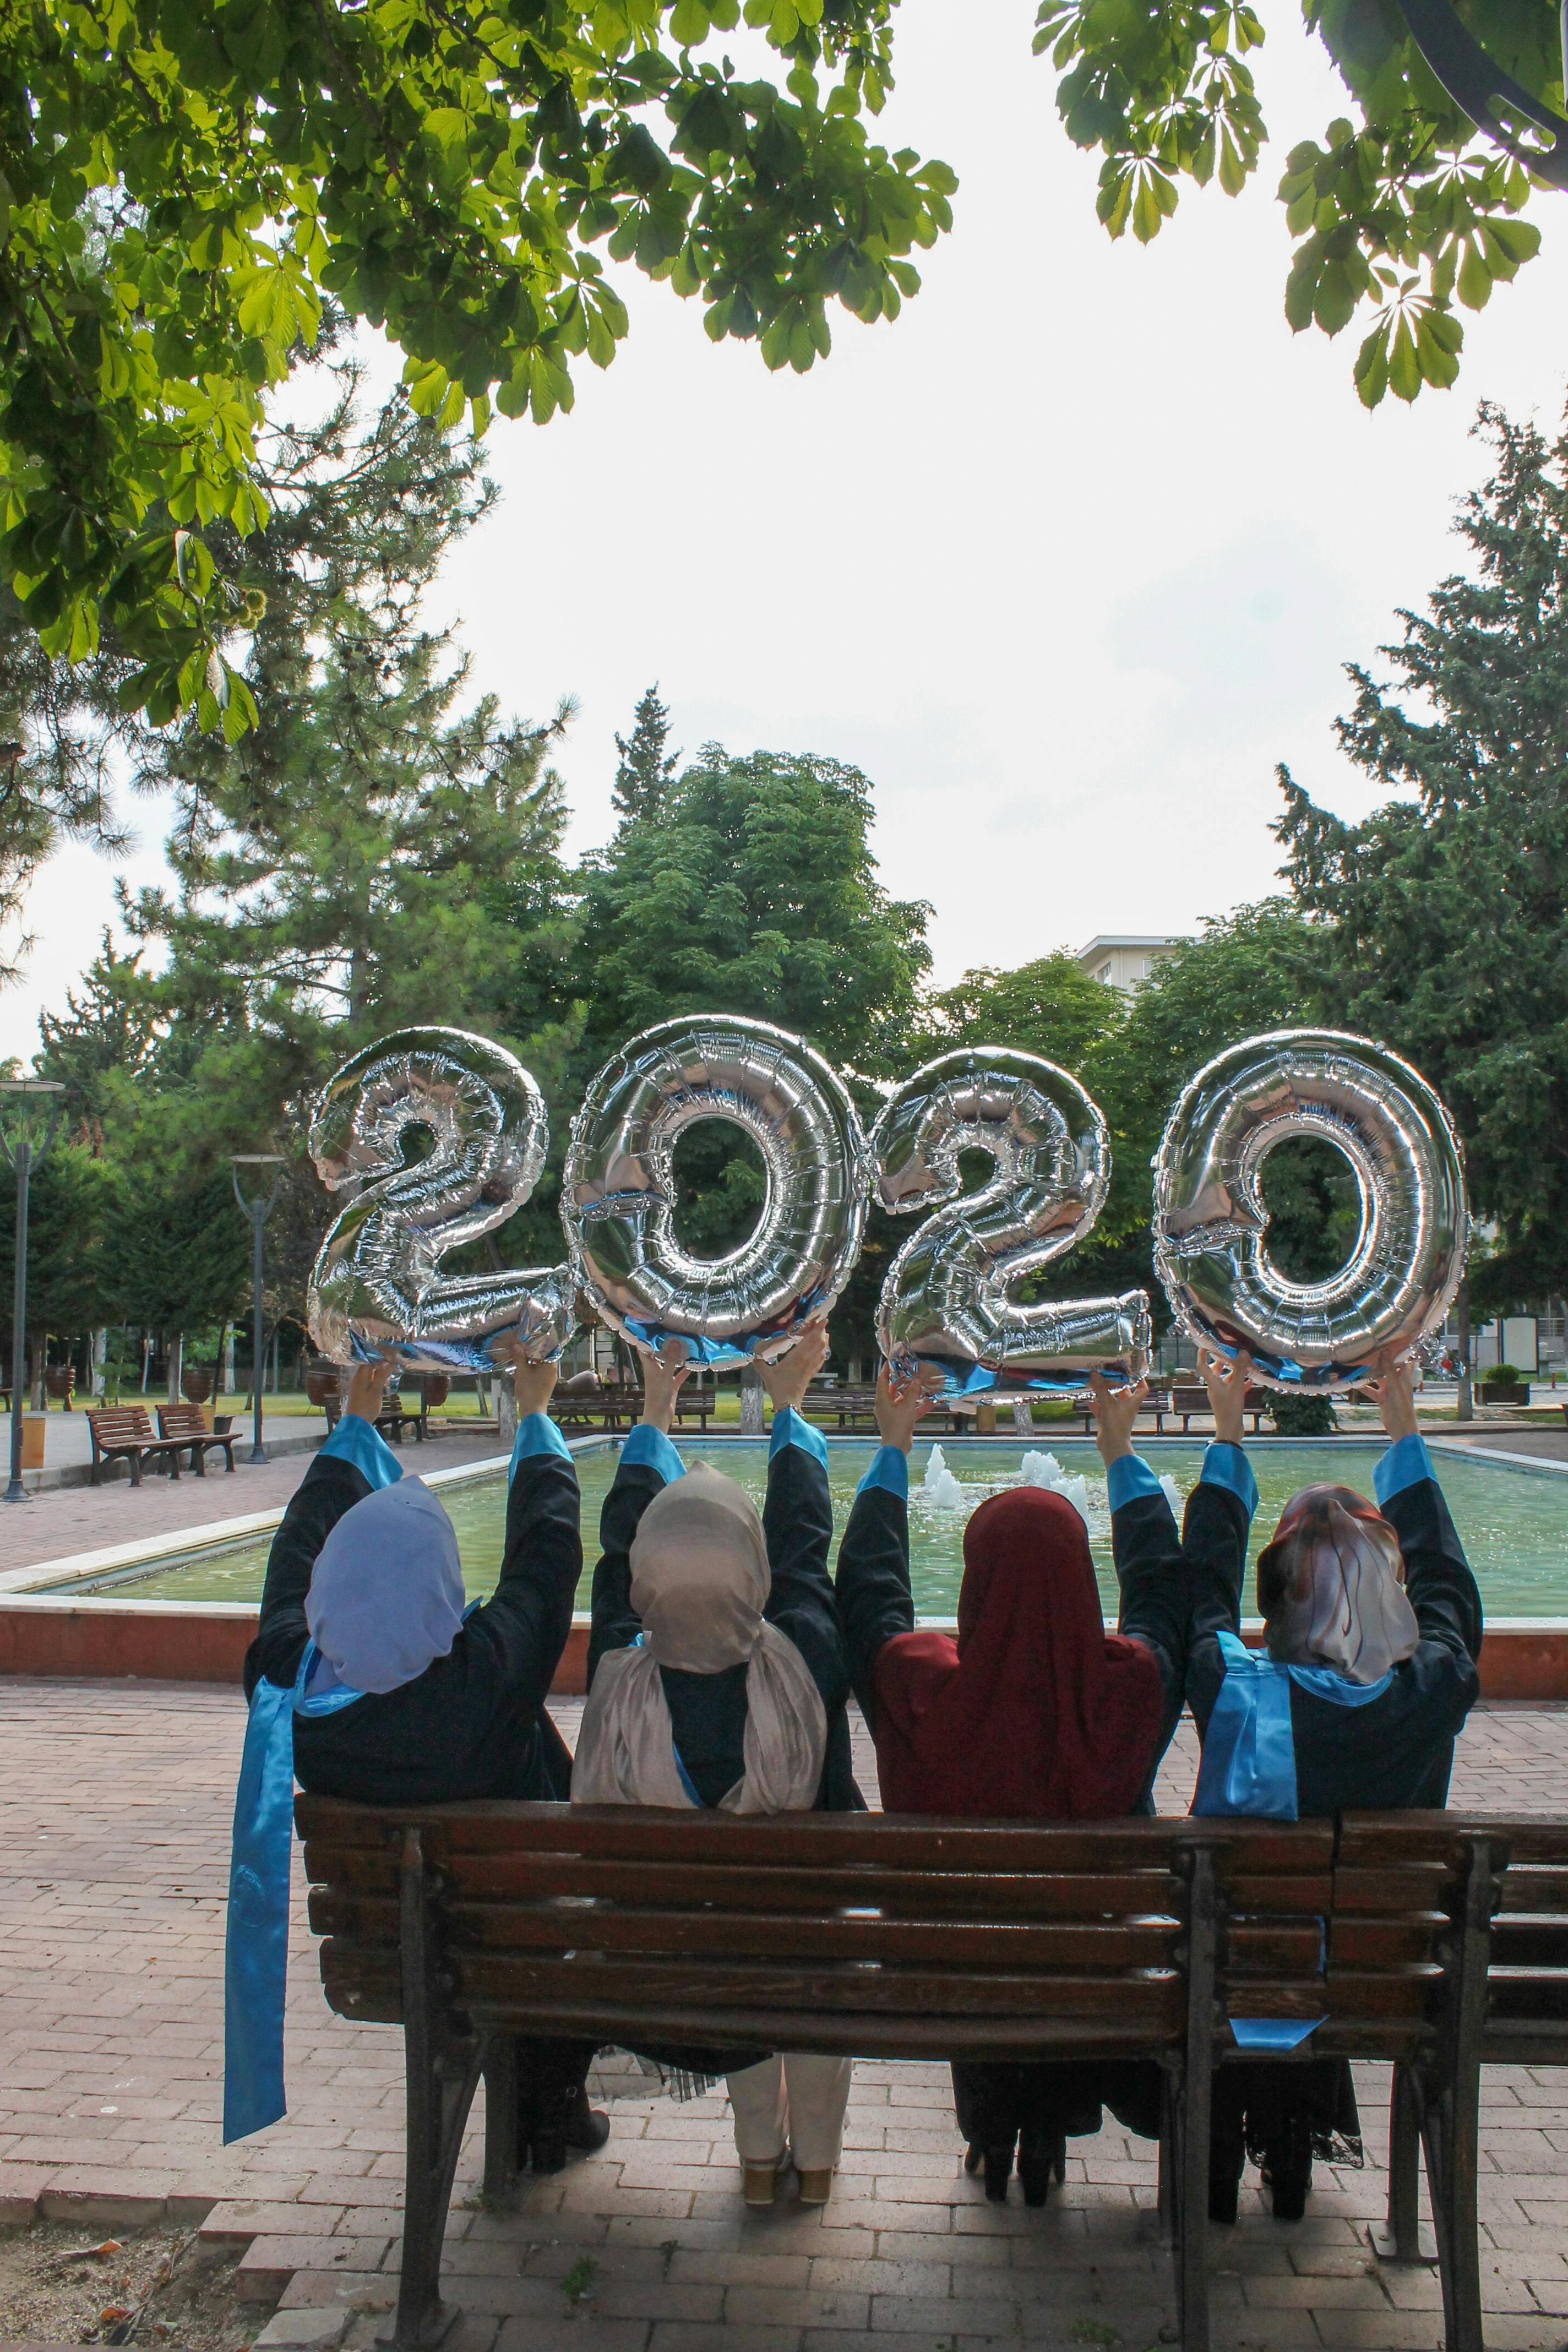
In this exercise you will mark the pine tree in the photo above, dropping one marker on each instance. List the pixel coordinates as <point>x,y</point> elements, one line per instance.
<point>1442,915</point>
<point>373,852</point>
<point>643,777</point>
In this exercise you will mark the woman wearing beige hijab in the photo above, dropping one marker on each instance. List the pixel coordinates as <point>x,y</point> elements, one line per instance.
<point>716,1677</point>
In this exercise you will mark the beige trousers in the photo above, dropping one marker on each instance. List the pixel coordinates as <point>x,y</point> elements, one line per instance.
<point>795,2103</point>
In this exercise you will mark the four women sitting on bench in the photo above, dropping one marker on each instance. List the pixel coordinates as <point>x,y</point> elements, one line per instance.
<point>720,1664</point>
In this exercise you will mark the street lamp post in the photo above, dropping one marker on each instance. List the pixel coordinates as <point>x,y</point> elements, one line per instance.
<point>32,1093</point>
<point>258,1209</point>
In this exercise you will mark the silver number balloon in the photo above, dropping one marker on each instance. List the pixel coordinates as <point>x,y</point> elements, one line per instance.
<point>1211,1247</point>
<point>946,1299</point>
<point>376,1284</point>
<point>618,1198</point>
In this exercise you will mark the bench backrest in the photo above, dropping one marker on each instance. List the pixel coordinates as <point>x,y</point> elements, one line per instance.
<point>1527,1975</point>
<point>116,1424</point>
<point>900,1938</point>
<point>183,1421</point>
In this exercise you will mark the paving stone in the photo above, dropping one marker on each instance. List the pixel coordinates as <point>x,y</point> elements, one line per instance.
<point>303,2331</point>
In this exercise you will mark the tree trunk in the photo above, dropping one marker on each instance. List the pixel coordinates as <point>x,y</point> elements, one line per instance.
<point>1466,1405</point>
<point>99,1373</point>
<point>36,1382</point>
<point>506,1410</point>
<point>750,1401</point>
<point>176,1364</point>
<point>274,1383</point>
<point>226,1361</point>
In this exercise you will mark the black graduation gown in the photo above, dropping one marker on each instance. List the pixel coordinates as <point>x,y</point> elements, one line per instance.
<point>994,2102</point>
<point>474,1724</point>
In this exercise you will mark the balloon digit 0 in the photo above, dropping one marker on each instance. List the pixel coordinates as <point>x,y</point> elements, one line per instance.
<point>376,1284</point>
<point>945,1299</point>
<point>1211,1227</point>
<point>618,1198</point>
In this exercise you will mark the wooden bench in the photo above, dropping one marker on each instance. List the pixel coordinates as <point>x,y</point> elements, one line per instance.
<point>187,1424</point>
<point>469,1924</point>
<point>122,1432</point>
<point>1187,1401</point>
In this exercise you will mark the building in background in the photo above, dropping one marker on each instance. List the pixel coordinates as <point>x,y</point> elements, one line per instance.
<point>1124,960</point>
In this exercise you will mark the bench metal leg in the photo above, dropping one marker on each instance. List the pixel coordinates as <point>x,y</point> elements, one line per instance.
<point>1165,2195</point>
<point>499,2065</point>
<point>443,2072</point>
<point>1402,2238</point>
<point>1193,2106</point>
<point>1450,2106</point>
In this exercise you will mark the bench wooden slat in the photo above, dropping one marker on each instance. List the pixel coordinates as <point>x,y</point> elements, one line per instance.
<point>956,1895</point>
<point>1530,1943</point>
<point>1124,2002</point>
<point>1531,1889</point>
<point>1365,1942</point>
<point>861,1842</point>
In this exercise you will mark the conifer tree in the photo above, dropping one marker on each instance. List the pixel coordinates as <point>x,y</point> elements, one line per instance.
<point>643,777</point>
<point>1442,915</point>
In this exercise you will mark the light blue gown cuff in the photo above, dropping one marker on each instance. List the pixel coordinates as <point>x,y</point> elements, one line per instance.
<point>889,1470</point>
<point>651,1450</point>
<point>1127,1479</point>
<point>790,1430</point>
<point>1406,1464</point>
<point>361,1443</point>
<point>1227,1466</point>
<point>537,1434</point>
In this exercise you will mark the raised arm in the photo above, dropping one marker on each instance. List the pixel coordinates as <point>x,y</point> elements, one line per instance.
<point>354,1461</point>
<point>872,1589</point>
<point>528,1617</point>
<point>1178,1593</point>
<point>648,1462</point>
<point>1443,1592</point>
<point>797,1520</point>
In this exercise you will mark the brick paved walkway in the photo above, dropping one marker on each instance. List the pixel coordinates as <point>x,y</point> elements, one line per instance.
<point>116,1806</point>
<point>62,1521</point>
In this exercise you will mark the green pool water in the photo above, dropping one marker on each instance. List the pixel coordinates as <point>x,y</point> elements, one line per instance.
<point>1514,1522</point>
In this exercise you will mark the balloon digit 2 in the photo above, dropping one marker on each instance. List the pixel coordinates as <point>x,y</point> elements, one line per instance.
<point>376,1286</point>
<point>946,1299</point>
<point>619,1198</point>
<point>1211,1248</point>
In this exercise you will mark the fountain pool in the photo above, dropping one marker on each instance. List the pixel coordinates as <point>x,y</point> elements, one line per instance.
<point>1513,1518</point>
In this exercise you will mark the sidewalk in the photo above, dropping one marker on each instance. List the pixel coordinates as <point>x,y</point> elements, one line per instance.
<point>64,1520</point>
<point>118,1802</point>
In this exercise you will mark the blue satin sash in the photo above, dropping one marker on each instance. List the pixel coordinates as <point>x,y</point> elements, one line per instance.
<point>256,1950</point>
<point>1248,1763</point>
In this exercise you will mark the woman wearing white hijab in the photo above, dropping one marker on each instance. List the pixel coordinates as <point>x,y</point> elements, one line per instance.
<point>1371,1629</point>
<point>373,1679</point>
<point>716,1677</point>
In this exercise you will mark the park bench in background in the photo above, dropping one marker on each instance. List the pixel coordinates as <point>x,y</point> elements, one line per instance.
<point>187,1424</point>
<point>471,1923</point>
<point>122,1432</point>
<point>583,1402</point>
<point>1187,1401</point>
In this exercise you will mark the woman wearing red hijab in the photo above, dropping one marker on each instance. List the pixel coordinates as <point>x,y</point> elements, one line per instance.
<point>1033,1713</point>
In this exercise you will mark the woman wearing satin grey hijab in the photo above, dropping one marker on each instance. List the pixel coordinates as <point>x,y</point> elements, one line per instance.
<point>1372,1633</point>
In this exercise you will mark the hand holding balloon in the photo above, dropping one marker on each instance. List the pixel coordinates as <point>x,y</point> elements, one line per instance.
<point>787,1379</point>
<point>1115,1411</point>
<point>367,1389</point>
<point>532,1376</point>
<point>1395,1389</point>
<point>664,1375</point>
<point>1225,1380</point>
<point>900,1402</point>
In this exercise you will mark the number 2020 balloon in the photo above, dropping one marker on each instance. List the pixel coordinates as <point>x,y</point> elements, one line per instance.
<point>376,1287</point>
<point>1211,1225</point>
<point>377,1284</point>
<point>946,1299</point>
<point>617,1201</point>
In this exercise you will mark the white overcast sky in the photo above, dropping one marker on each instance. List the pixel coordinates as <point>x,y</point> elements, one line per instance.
<point>1066,559</point>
